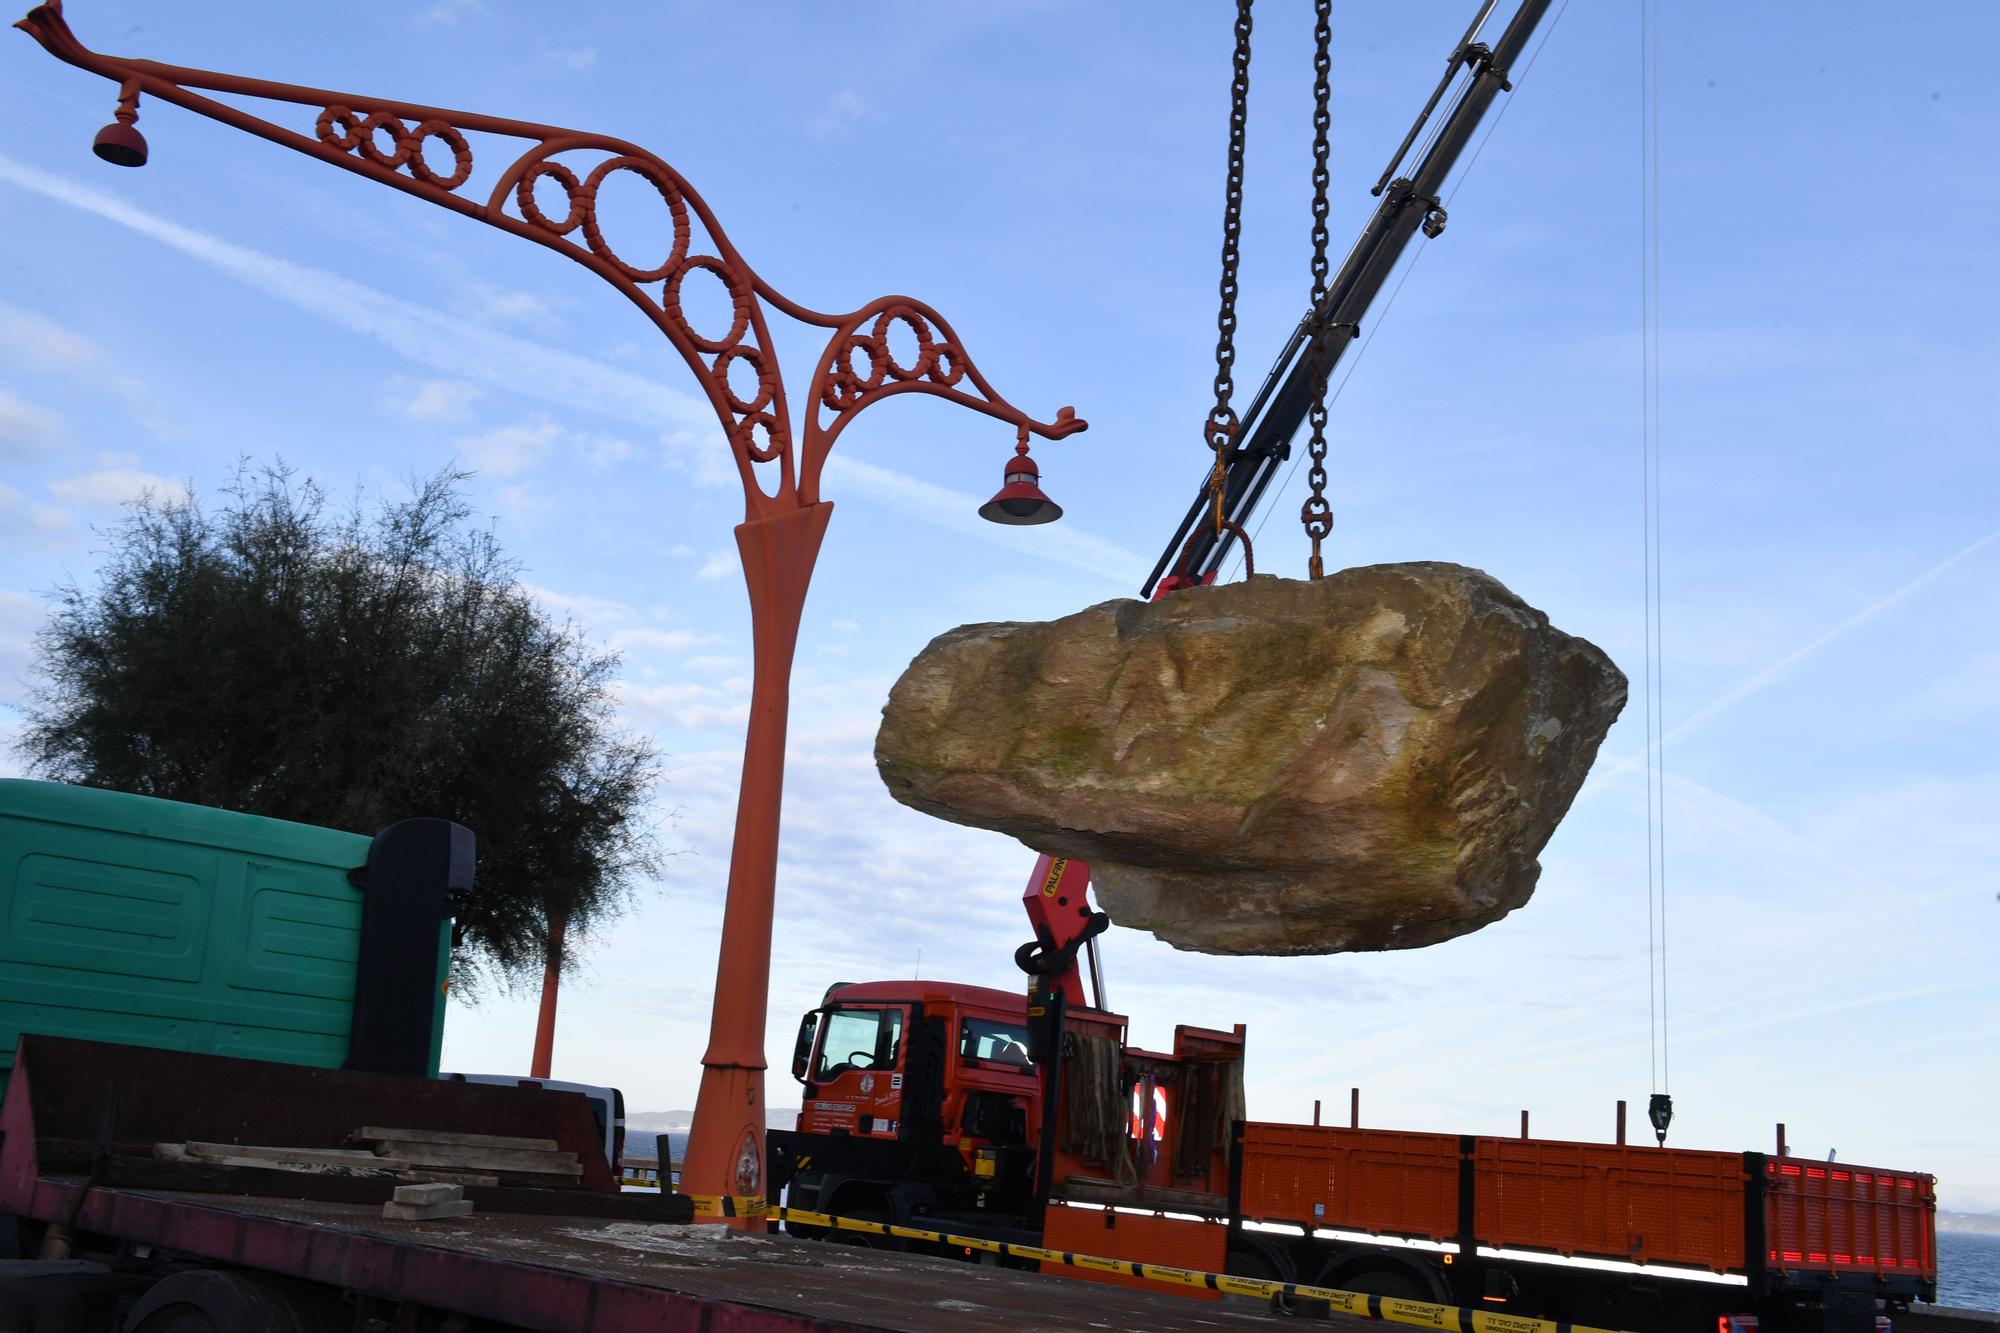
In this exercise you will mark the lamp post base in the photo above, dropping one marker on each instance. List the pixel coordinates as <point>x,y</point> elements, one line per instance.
<point>728,1130</point>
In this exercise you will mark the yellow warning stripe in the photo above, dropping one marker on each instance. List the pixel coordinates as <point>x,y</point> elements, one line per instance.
<point>1388,1309</point>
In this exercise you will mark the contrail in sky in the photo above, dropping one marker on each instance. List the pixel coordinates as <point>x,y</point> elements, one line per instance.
<point>470,351</point>
<point>1775,672</point>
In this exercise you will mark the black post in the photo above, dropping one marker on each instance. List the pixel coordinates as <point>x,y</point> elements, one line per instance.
<point>414,867</point>
<point>1045,1033</point>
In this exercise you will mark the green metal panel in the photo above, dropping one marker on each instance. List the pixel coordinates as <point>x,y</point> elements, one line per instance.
<point>129,919</point>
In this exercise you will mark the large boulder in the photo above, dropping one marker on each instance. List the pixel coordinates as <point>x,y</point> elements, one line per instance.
<point>1372,760</point>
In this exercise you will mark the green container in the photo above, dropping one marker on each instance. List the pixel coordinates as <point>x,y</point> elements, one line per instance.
<point>129,919</point>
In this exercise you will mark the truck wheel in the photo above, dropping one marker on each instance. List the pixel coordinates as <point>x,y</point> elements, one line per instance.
<point>206,1301</point>
<point>839,1236</point>
<point>1379,1279</point>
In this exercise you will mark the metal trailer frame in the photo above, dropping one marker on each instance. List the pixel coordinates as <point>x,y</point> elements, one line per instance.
<point>79,1120</point>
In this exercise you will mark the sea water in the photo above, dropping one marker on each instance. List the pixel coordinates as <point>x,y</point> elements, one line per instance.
<point>1968,1270</point>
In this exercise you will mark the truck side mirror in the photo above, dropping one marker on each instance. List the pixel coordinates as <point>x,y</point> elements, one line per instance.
<point>802,1049</point>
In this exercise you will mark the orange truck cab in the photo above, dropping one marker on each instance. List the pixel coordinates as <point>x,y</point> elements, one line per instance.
<point>922,1081</point>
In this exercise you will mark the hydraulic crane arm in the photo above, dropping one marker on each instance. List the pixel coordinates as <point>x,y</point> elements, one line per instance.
<point>1058,903</point>
<point>1409,202</point>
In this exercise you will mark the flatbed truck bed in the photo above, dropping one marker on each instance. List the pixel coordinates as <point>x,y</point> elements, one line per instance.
<point>80,1119</point>
<point>587,1275</point>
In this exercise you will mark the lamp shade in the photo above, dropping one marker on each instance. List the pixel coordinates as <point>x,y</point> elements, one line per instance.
<point>1020,501</point>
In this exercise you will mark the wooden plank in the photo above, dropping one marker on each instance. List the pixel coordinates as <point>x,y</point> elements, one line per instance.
<point>133,1172</point>
<point>354,1169</point>
<point>377,1134</point>
<point>427,1193</point>
<point>237,1153</point>
<point>479,1159</point>
<point>421,1174</point>
<point>426,1212</point>
<point>262,1180</point>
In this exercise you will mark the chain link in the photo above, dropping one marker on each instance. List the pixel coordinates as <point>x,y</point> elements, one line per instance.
<point>1316,514</point>
<point>1219,430</point>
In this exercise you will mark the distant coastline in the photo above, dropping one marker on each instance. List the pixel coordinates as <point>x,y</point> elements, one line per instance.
<point>1977,1224</point>
<point>677,1122</point>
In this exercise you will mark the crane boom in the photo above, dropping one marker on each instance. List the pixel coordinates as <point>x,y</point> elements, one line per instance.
<point>1408,203</point>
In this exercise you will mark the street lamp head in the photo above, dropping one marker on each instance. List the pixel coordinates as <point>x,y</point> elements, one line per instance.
<point>1019,501</point>
<point>120,142</point>
<point>120,145</point>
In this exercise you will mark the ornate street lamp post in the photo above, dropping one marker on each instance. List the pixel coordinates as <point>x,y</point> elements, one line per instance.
<point>425,151</point>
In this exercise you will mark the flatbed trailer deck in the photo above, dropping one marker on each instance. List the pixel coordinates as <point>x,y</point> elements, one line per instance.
<point>587,1275</point>
<point>78,1125</point>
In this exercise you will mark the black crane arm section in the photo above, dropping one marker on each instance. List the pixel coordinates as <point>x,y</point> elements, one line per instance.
<point>1408,203</point>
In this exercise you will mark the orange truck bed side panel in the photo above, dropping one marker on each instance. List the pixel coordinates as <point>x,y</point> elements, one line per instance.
<point>1375,1180</point>
<point>1829,1217</point>
<point>1168,1241</point>
<point>1612,1201</point>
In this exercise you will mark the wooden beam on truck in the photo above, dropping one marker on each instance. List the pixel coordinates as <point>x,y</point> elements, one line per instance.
<point>192,1177</point>
<point>243,1154</point>
<point>377,1134</point>
<point>503,1160</point>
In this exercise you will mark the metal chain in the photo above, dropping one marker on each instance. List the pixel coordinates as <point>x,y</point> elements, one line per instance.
<point>1219,430</point>
<point>1316,514</point>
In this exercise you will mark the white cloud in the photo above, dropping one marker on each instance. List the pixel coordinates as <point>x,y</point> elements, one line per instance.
<point>842,112</point>
<point>36,343</point>
<point>843,626</point>
<point>449,13</point>
<point>719,565</point>
<point>511,450</point>
<point>581,607</point>
<point>109,487</point>
<point>661,640</point>
<point>20,617</point>
<point>438,400</point>
<point>521,503</point>
<point>684,705</point>
<point>26,428</point>
<point>571,59</point>
<point>503,307</point>
<point>21,520</point>
<point>604,450</point>
<point>714,665</point>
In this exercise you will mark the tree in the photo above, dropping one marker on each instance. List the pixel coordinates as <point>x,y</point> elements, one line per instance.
<point>350,669</point>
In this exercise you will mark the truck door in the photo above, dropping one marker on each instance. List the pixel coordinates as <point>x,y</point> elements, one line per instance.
<point>855,1082</point>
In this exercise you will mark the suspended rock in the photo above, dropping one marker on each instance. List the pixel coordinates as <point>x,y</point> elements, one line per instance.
<point>1370,761</point>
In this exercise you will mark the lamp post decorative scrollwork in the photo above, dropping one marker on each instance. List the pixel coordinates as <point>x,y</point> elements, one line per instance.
<point>406,146</point>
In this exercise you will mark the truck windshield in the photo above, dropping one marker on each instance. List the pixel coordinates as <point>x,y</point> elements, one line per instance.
<point>859,1039</point>
<point>987,1039</point>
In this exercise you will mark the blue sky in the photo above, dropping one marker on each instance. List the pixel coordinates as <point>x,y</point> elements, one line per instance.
<point>1046,175</point>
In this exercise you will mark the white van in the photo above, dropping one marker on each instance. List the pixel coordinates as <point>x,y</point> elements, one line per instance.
<point>607,1108</point>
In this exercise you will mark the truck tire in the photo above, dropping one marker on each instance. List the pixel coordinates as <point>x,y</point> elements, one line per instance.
<point>864,1239</point>
<point>209,1301</point>
<point>1382,1275</point>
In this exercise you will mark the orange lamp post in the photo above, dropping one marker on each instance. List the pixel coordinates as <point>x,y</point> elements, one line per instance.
<point>428,152</point>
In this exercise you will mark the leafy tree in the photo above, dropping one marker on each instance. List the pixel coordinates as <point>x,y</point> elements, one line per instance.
<point>351,668</point>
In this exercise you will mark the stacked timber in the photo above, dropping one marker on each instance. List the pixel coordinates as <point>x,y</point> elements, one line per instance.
<point>448,1154</point>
